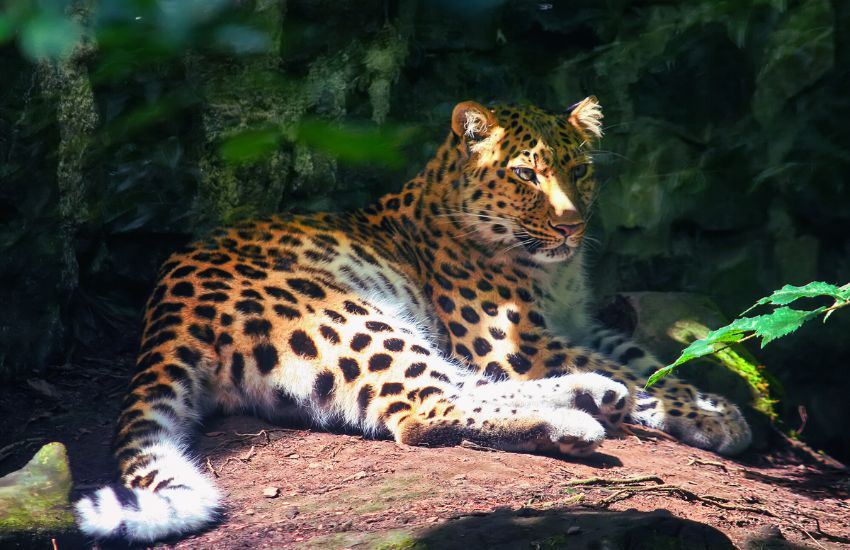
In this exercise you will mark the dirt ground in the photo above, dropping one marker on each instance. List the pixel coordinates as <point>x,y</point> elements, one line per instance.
<point>291,487</point>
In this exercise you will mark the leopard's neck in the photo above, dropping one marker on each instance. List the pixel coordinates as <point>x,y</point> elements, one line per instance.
<point>426,217</point>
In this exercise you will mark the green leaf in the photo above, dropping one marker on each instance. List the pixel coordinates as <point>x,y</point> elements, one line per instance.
<point>730,334</point>
<point>356,144</point>
<point>781,321</point>
<point>770,326</point>
<point>790,293</point>
<point>250,145</point>
<point>659,374</point>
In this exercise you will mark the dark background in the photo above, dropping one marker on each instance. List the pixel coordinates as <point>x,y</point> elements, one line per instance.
<point>127,128</point>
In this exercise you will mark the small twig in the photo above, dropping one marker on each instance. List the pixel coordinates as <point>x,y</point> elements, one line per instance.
<point>258,434</point>
<point>687,495</point>
<point>466,444</point>
<point>567,501</point>
<point>818,530</point>
<point>251,453</point>
<point>694,460</point>
<point>804,416</point>
<point>617,481</point>
<point>801,448</point>
<point>228,461</point>
<point>800,529</point>
<point>211,468</point>
<point>243,459</point>
<point>266,432</point>
<point>637,430</point>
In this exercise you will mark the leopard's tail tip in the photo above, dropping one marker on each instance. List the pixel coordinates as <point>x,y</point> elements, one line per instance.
<point>179,500</point>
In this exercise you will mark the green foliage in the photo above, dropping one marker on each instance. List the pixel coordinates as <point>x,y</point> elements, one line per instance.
<point>356,145</point>
<point>780,322</point>
<point>43,29</point>
<point>347,143</point>
<point>248,146</point>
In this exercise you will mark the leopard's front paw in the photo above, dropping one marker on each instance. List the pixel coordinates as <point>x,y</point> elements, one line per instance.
<point>572,432</point>
<point>602,398</point>
<point>568,431</point>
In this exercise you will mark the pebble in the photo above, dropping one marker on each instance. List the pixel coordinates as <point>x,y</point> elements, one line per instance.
<point>271,492</point>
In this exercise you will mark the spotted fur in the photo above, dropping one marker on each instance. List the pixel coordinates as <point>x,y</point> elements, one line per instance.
<point>454,309</point>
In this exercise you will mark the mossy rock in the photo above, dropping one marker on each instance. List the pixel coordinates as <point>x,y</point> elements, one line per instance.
<point>34,500</point>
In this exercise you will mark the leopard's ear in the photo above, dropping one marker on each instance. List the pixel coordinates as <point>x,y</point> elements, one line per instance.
<point>472,121</point>
<point>586,116</point>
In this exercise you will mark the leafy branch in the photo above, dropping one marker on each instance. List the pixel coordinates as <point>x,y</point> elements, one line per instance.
<point>780,322</point>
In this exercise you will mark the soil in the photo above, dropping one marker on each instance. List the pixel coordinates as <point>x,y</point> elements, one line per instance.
<point>292,487</point>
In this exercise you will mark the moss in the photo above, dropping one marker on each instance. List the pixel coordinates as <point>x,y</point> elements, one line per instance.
<point>242,93</point>
<point>34,499</point>
<point>384,60</point>
<point>399,541</point>
<point>66,84</point>
<point>395,539</point>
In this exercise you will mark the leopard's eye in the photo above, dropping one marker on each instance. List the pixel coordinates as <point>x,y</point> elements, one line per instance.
<point>525,174</point>
<point>579,171</point>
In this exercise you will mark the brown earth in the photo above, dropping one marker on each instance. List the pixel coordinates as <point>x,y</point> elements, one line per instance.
<point>291,487</point>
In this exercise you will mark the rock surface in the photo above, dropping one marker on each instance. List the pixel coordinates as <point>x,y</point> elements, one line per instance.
<point>34,499</point>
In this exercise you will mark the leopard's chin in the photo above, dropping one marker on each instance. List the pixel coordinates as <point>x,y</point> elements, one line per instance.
<point>560,253</point>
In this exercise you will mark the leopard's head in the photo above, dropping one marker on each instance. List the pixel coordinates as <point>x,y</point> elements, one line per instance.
<point>527,177</point>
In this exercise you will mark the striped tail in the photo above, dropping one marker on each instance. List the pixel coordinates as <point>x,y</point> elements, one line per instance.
<point>162,490</point>
<point>167,496</point>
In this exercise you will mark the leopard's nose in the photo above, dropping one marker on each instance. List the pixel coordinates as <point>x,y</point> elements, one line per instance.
<point>568,227</point>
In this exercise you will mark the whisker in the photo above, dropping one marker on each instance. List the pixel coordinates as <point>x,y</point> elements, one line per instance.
<point>475,215</point>
<point>612,126</point>
<point>597,152</point>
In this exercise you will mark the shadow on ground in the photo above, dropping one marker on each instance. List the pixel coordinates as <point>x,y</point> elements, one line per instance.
<point>575,529</point>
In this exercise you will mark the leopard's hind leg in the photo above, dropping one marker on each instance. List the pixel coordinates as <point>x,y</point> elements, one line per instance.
<point>700,419</point>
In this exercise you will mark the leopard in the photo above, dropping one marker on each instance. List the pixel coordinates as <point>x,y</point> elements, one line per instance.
<point>456,309</point>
